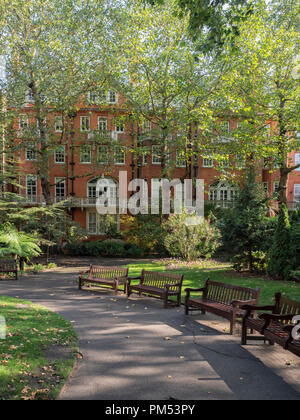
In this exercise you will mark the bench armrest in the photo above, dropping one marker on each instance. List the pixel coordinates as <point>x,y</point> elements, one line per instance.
<point>132,278</point>
<point>120,277</point>
<point>81,273</point>
<point>236,303</point>
<point>188,291</point>
<point>168,285</point>
<point>277,317</point>
<point>252,308</point>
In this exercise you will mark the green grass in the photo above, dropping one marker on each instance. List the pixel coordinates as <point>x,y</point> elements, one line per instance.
<point>195,275</point>
<point>26,371</point>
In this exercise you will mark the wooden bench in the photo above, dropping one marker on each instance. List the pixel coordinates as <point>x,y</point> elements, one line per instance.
<point>9,266</point>
<point>152,283</point>
<point>276,326</point>
<point>106,276</point>
<point>224,300</point>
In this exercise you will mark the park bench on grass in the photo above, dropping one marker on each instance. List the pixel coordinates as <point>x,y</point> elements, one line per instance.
<point>9,267</point>
<point>152,283</point>
<point>276,326</point>
<point>105,276</point>
<point>224,300</point>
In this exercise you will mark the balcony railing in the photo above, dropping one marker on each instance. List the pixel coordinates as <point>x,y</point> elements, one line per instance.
<point>82,202</point>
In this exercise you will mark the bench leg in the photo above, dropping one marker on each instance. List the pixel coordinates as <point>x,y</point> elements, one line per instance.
<point>178,299</point>
<point>244,334</point>
<point>165,298</point>
<point>79,284</point>
<point>16,277</point>
<point>116,287</point>
<point>186,307</point>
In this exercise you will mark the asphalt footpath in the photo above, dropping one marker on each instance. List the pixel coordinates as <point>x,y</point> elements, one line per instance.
<point>134,349</point>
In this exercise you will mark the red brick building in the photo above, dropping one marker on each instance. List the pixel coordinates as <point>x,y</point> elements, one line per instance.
<point>73,171</point>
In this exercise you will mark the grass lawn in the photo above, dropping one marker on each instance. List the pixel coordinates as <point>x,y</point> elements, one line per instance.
<point>195,275</point>
<point>38,352</point>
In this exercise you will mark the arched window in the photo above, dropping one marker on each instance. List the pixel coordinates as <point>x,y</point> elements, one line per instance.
<point>222,193</point>
<point>92,189</point>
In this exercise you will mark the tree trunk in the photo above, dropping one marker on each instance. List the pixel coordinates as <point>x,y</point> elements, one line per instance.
<point>282,196</point>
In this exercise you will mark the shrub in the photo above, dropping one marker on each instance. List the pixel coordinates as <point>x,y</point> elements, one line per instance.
<point>146,232</point>
<point>189,241</point>
<point>281,254</point>
<point>295,275</point>
<point>259,262</point>
<point>246,229</point>
<point>106,248</point>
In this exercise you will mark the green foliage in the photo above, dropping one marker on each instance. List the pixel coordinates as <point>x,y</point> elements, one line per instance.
<point>13,242</point>
<point>295,275</point>
<point>259,261</point>
<point>246,228</point>
<point>280,256</point>
<point>189,241</point>
<point>106,248</point>
<point>146,232</point>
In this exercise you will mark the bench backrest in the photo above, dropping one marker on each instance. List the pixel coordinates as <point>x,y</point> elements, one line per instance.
<point>226,293</point>
<point>155,279</point>
<point>107,272</point>
<point>8,265</point>
<point>285,306</point>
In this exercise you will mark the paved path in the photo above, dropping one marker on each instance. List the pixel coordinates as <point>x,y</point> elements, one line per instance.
<point>135,349</point>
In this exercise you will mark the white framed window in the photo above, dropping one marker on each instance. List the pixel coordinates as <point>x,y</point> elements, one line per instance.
<point>224,162</point>
<point>103,154</point>
<point>276,187</point>
<point>31,188</point>
<point>180,159</point>
<point>60,154</point>
<point>30,154</point>
<point>223,193</point>
<point>92,97</point>
<point>224,128</point>
<point>84,123</point>
<point>23,121</point>
<point>297,193</point>
<point>91,223</point>
<point>145,159</point>
<point>120,126</point>
<point>99,224</point>
<point>240,161</point>
<point>156,155</point>
<point>112,97</point>
<point>208,162</point>
<point>266,187</point>
<point>60,189</point>
<point>102,124</point>
<point>58,124</point>
<point>147,126</point>
<point>297,160</point>
<point>85,153</point>
<point>111,188</point>
<point>119,155</point>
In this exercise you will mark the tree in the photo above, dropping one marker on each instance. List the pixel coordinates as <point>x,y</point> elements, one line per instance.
<point>261,88</point>
<point>246,228</point>
<point>212,23</point>
<point>165,83</point>
<point>51,59</point>
<point>17,244</point>
<point>280,256</point>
